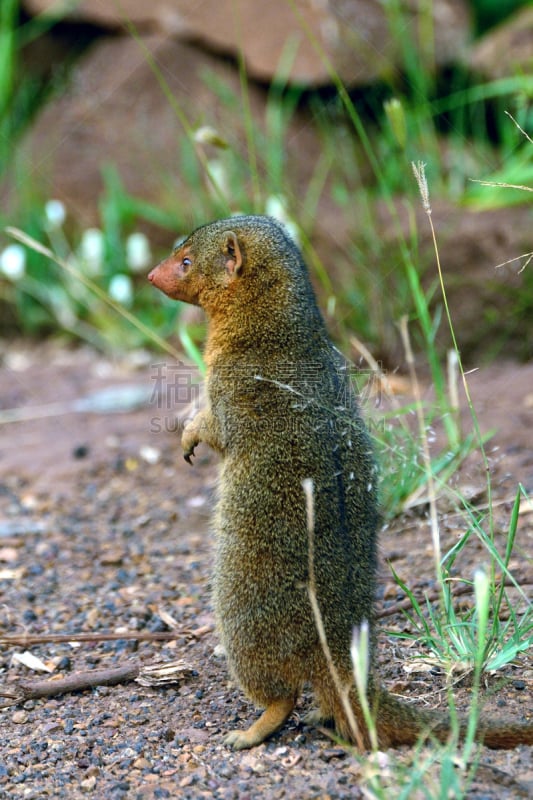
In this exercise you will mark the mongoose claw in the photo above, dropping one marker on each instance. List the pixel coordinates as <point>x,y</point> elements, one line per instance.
<point>188,456</point>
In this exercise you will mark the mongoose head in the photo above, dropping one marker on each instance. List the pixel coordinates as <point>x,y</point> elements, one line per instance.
<point>230,262</point>
<point>189,271</point>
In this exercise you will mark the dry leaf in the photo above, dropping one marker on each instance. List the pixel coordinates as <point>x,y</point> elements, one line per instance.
<point>418,665</point>
<point>12,574</point>
<point>32,662</point>
<point>526,506</point>
<point>163,673</point>
<point>168,619</point>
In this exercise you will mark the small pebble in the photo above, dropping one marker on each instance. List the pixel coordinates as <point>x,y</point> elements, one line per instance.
<point>93,772</point>
<point>391,591</point>
<point>112,558</point>
<point>150,454</point>
<point>89,784</point>
<point>141,763</point>
<point>330,754</point>
<point>81,451</point>
<point>19,717</point>
<point>51,727</point>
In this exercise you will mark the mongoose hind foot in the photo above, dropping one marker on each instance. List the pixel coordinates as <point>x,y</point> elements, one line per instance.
<point>270,720</point>
<point>317,719</point>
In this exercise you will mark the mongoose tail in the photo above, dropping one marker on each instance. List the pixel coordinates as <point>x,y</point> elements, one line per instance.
<point>399,723</point>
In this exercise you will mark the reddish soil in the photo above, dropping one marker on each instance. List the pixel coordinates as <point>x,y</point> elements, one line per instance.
<point>99,533</point>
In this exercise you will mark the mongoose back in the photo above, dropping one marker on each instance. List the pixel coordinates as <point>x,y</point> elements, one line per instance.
<point>280,409</point>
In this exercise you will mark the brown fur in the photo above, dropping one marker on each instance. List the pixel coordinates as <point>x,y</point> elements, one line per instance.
<point>280,409</point>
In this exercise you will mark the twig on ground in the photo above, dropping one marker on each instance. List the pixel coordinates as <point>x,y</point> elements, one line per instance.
<point>27,639</point>
<point>147,674</point>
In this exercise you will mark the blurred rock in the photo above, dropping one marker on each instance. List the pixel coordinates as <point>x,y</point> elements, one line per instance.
<point>506,50</point>
<point>485,291</point>
<point>115,112</point>
<point>358,37</point>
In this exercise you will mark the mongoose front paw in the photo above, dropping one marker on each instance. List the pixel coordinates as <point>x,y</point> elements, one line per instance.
<point>240,740</point>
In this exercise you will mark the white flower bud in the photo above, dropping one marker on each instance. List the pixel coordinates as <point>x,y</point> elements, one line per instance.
<point>121,289</point>
<point>91,250</point>
<point>138,253</point>
<point>13,262</point>
<point>55,213</point>
<point>208,135</point>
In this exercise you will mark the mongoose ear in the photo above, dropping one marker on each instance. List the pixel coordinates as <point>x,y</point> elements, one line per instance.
<point>233,253</point>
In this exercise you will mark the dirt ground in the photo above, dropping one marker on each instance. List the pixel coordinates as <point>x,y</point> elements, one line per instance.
<point>104,527</point>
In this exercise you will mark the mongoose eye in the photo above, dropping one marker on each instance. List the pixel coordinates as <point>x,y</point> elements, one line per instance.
<point>185,264</point>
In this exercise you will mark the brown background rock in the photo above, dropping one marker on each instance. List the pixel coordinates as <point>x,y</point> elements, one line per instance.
<point>484,288</point>
<point>506,50</point>
<point>487,301</point>
<point>115,112</point>
<point>353,34</point>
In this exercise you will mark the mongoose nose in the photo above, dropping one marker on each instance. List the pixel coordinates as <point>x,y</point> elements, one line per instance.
<point>151,276</point>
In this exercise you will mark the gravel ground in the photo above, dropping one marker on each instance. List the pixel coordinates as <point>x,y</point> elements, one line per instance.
<point>103,527</point>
